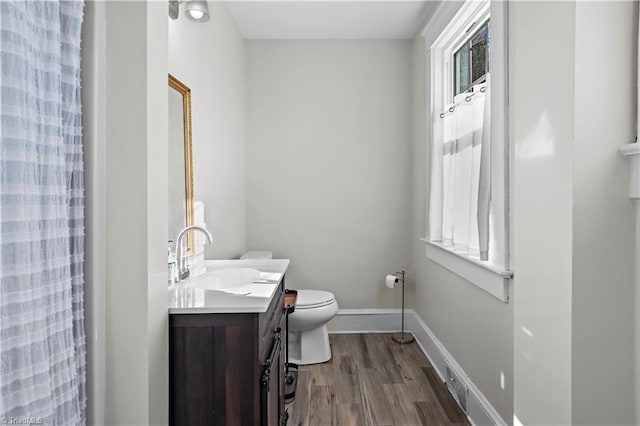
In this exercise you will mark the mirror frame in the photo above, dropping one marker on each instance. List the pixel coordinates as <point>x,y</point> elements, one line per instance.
<point>185,91</point>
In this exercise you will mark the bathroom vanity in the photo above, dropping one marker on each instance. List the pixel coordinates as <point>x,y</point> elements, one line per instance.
<point>226,345</point>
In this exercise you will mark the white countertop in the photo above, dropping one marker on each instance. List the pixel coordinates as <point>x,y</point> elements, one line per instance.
<point>185,298</point>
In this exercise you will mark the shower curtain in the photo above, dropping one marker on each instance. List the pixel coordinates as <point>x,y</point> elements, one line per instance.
<point>42,339</point>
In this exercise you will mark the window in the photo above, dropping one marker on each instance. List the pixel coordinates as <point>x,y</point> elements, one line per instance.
<point>467,228</point>
<point>471,60</point>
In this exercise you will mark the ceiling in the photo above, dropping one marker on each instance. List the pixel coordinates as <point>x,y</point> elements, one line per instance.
<point>329,19</point>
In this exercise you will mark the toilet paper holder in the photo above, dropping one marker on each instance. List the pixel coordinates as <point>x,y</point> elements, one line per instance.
<point>402,337</point>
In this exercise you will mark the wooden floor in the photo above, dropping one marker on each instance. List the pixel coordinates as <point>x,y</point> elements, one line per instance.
<point>371,380</point>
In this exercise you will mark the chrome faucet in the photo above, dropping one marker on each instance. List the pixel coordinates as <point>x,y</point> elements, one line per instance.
<point>183,271</point>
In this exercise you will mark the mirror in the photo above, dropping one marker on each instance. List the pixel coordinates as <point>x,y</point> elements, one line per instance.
<point>180,165</point>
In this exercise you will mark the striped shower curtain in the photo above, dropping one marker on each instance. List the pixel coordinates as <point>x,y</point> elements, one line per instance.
<point>42,340</point>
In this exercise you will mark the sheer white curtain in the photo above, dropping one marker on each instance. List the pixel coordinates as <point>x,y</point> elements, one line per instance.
<point>460,175</point>
<point>42,340</point>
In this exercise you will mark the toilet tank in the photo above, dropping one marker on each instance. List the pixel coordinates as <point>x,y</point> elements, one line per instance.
<point>257,255</point>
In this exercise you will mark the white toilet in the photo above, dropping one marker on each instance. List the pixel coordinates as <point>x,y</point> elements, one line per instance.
<point>307,335</point>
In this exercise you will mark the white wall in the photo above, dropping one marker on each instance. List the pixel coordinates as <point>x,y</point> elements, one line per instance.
<point>542,125</point>
<point>603,215</point>
<point>209,57</point>
<point>125,113</point>
<point>93,131</point>
<point>329,170</point>
<point>475,327</point>
<point>572,89</point>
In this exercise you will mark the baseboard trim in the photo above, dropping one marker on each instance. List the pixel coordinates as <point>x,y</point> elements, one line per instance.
<point>479,410</point>
<point>368,321</point>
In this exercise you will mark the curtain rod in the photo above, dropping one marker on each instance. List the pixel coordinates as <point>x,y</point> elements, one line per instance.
<point>466,98</point>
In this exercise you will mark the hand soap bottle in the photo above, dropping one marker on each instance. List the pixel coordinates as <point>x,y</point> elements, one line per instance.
<point>171,265</point>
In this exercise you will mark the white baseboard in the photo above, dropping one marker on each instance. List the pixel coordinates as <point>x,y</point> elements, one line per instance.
<point>368,321</point>
<point>479,410</point>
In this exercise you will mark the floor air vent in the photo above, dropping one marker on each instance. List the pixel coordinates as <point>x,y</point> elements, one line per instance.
<point>457,388</point>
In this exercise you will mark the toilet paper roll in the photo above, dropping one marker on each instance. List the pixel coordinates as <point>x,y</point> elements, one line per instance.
<point>391,281</point>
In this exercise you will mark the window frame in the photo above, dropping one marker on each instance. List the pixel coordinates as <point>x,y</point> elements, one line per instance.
<point>444,33</point>
<point>467,40</point>
<point>451,40</point>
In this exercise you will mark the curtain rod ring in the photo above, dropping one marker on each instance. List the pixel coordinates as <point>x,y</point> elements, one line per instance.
<point>450,109</point>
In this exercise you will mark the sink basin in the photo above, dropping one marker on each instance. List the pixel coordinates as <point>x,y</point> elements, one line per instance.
<point>224,279</point>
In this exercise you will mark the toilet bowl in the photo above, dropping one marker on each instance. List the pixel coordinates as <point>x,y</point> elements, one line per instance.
<point>307,336</point>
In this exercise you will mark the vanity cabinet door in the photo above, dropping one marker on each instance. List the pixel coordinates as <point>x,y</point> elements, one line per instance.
<point>272,385</point>
<point>213,370</point>
<point>269,383</point>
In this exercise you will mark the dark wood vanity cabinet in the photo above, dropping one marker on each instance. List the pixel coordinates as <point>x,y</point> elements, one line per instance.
<point>228,369</point>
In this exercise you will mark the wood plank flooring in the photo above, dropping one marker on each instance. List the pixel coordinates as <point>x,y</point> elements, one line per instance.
<point>371,380</point>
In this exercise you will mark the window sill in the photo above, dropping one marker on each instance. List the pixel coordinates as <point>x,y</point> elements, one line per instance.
<point>489,278</point>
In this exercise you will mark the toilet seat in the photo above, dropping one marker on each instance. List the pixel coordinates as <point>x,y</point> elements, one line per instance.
<point>310,299</point>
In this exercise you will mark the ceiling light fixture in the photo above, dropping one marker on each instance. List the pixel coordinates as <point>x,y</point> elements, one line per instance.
<point>197,10</point>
